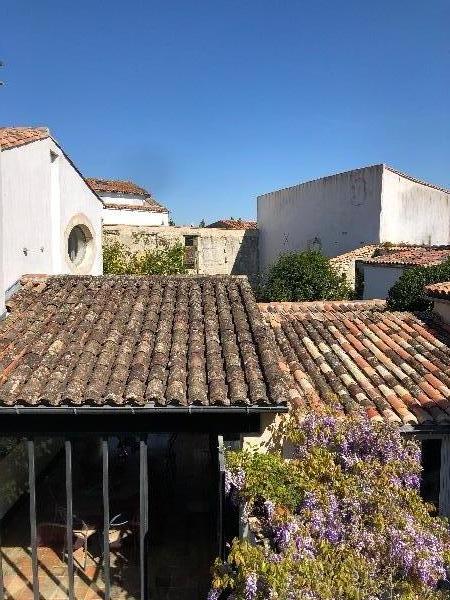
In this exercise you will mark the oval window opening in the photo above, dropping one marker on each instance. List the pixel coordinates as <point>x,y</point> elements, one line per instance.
<point>76,245</point>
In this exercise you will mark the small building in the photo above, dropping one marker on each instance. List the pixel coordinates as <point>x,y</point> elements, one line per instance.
<point>233,224</point>
<point>50,218</point>
<point>336,214</point>
<point>377,274</point>
<point>117,396</point>
<point>360,358</point>
<point>128,204</point>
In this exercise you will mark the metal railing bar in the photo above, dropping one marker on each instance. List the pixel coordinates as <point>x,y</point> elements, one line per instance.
<point>2,587</point>
<point>143,520</point>
<point>33,525</point>
<point>69,517</point>
<point>106,570</point>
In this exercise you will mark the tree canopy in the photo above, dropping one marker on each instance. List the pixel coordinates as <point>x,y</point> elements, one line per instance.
<point>303,276</point>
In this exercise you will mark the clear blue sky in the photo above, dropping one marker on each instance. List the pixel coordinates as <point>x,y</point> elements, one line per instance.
<point>209,103</point>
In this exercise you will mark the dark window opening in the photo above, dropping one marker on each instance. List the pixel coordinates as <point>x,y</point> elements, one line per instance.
<point>191,251</point>
<point>431,464</point>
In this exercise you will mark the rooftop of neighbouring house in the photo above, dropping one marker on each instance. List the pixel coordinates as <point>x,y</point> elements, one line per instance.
<point>157,341</point>
<point>117,186</point>
<point>125,188</point>
<point>438,290</point>
<point>409,256</point>
<point>360,356</point>
<point>12,137</point>
<point>234,224</point>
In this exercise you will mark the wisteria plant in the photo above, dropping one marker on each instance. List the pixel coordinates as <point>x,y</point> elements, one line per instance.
<point>342,519</point>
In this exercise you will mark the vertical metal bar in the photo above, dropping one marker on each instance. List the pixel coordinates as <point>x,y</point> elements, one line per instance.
<point>106,518</point>
<point>143,521</point>
<point>221,493</point>
<point>69,515</point>
<point>2,587</point>
<point>33,526</point>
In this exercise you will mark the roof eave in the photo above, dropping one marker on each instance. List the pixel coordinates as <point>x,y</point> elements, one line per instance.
<point>147,409</point>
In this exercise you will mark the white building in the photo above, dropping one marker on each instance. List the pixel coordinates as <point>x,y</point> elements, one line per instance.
<point>377,274</point>
<point>51,219</point>
<point>128,204</point>
<point>342,212</point>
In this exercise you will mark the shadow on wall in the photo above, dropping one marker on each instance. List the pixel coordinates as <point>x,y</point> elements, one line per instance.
<point>246,261</point>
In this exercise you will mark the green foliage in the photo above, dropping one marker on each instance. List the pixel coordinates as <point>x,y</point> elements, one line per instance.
<point>408,291</point>
<point>342,519</point>
<point>302,276</point>
<point>118,260</point>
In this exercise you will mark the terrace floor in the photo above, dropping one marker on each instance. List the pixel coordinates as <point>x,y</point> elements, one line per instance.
<point>181,526</point>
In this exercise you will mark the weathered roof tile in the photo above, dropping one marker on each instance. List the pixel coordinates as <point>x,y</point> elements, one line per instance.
<point>358,356</point>
<point>122,340</point>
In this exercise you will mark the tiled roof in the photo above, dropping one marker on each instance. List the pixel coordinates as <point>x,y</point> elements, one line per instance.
<point>11,137</point>
<point>114,186</point>
<point>438,290</point>
<point>393,366</point>
<point>234,224</point>
<point>128,340</point>
<point>411,256</point>
<point>149,205</point>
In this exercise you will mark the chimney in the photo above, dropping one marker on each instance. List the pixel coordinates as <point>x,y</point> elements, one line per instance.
<point>2,281</point>
<point>439,293</point>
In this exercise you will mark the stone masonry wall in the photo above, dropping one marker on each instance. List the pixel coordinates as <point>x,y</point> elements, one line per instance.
<point>214,251</point>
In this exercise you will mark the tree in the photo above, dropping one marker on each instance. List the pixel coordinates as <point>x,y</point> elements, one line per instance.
<point>341,520</point>
<point>408,292</point>
<point>306,275</point>
<point>118,260</point>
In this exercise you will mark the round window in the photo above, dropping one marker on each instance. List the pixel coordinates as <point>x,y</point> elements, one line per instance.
<point>76,245</point>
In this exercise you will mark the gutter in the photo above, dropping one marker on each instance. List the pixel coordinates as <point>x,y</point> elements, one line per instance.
<point>139,410</point>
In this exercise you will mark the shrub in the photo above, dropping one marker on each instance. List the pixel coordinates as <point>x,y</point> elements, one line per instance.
<point>341,520</point>
<point>118,260</point>
<point>304,275</point>
<point>408,293</point>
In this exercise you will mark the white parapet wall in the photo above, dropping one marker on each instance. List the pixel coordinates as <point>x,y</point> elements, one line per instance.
<point>413,212</point>
<point>336,214</point>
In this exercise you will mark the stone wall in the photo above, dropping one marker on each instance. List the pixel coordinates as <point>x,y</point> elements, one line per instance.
<point>210,251</point>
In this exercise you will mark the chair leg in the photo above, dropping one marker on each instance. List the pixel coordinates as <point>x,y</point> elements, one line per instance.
<point>85,553</point>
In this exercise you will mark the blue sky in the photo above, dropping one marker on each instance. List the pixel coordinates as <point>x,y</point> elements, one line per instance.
<point>209,103</point>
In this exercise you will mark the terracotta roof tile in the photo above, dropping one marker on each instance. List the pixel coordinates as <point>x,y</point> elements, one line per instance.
<point>234,224</point>
<point>110,186</point>
<point>127,340</point>
<point>358,356</point>
<point>11,137</point>
<point>116,186</point>
<point>438,290</point>
<point>418,256</point>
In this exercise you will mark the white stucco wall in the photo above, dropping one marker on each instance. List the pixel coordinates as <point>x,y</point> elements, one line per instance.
<point>2,285</point>
<point>378,280</point>
<point>342,211</point>
<point>40,198</point>
<point>112,216</point>
<point>26,210</point>
<point>413,212</point>
<point>442,309</point>
<point>122,198</point>
<point>77,200</point>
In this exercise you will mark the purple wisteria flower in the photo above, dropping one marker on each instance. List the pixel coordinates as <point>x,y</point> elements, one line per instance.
<point>251,589</point>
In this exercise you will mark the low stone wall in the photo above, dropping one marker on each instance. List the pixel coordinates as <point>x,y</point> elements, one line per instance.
<point>211,251</point>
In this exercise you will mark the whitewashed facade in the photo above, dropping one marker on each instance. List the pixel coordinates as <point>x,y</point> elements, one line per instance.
<point>47,207</point>
<point>342,212</point>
